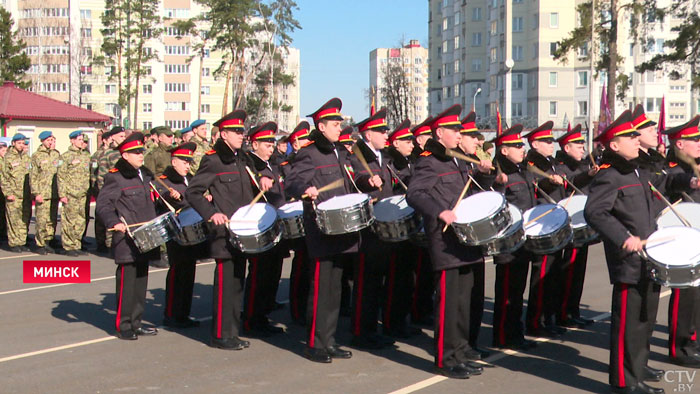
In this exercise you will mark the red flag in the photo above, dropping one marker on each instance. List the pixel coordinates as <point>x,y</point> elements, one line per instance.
<point>499,123</point>
<point>662,120</point>
<point>604,119</point>
<point>372,108</point>
<point>568,127</point>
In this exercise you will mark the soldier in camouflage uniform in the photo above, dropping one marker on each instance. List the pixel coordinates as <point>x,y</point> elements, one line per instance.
<point>158,159</point>
<point>199,128</point>
<point>3,219</point>
<point>15,178</point>
<point>106,162</point>
<point>42,179</point>
<point>152,140</point>
<point>73,185</point>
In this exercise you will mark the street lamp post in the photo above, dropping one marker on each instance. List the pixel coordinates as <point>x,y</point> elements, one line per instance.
<point>478,90</point>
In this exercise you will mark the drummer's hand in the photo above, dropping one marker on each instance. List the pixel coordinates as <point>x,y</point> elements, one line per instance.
<point>448,216</point>
<point>174,194</point>
<point>593,170</point>
<point>694,183</point>
<point>265,183</point>
<point>633,244</point>
<point>218,219</point>
<point>121,227</point>
<point>501,178</point>
<point>312,192</point>
<point>484,166</point>
<point>556,179</point>
<point>375,181</point>
<point>209,197</point>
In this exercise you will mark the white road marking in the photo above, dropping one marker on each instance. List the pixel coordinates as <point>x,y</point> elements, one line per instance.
<point>55,349</point>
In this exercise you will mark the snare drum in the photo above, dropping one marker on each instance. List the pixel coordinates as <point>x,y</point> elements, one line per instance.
<point>583,233</point>
<point>674,256</point>
<point>193,229</point>
<point>481,217</point>
<point>420,238</point>
<point>344,214</point>
<point>156,232</point>
<point>395,220</point>
<point>511,239</point>
<point>292,219</point>
<point>549,233</point>
<point>689,210</point>
<point>255,229</point>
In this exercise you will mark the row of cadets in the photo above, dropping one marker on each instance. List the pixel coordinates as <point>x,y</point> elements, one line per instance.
<point>318,164</point>
<point>223,173</point>
<point>126,197</point>
<point>179,283</point>
<point>298,277</point>
<point>436,184</point>
<point>512,268</point>
<point>483,179</point>
<point>265,269</point>
<point>544,283</point>
<point>572,164</point>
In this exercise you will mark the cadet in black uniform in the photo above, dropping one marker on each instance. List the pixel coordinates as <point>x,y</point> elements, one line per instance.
<point>223,173</point>
<point>620,209</point>
<point>318,164</point>
<point>126,196</point>
<point>436,184</point>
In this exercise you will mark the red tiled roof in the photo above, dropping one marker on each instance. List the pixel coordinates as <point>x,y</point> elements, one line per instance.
<point>17,103</point>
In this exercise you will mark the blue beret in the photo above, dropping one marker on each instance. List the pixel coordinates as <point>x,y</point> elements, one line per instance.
<point>75,134</point>
<point>197,123</point>
<point>18,136</point>
<point>186,130</point>
<point>44,135</point>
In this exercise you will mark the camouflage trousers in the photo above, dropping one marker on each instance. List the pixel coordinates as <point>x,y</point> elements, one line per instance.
<point>73,222</point>
<point>46,218</point>
<point>18,213</point>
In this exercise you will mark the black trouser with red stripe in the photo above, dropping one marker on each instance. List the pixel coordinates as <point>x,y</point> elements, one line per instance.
<point>511,281</point>
<point>370,272</point>
<point>542,301</point>
<point>228,293</point>
<point>452,314</point>
<point>424,288</point>
<point>132,282</point>
<point>571,276</point>
<point>633,310</point>
<point>260,286</point>
<point>324,299</point>
<point>682,313</point>
<point>299,283</point>
<point>399,287</point>
<point>179,284</point>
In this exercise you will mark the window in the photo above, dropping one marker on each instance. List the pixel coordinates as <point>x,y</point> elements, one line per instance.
<point>88,106</point>
<point>456,43</point>
<point>206,72</point>
<point>554,20</point>
<point>494,55</point>
<point>418,60</point>
<point>678,88</point>
<point>582,79</point>
<point>476,65</point>
<point>147,107</point>
<point>176,124</point>
<point>517,53</point>
<point>677,104</point>
<point>553,79</point>
<point>516,109</point>
<point>494,28</point>
<point>517,24</point>
<point>177,50</point>
<point>207,53</point>
<point>85,14</point>
<point>660,45</point>
<point>552,108</point>
<point>476,14</point>
<point>493,82</point>
<point>445,24</point>
<point>476,39</point>
<point>204,108</point>
<point>582,51</point>
<point>54,87</point>
<point>176,12</point>
<point>86,32</point>
<point>457,15</point>
<point>109,89</point>
<point>517,81</point>
<point>631,49</point>
<point>205,90</point>
<point>456,90</point>
<point>109,70</point>
<point>147,70</point>
<point>85,70</point>
<point>177,87</point>
<point>677,117</point>
<point>87,52</point>
<point>651,76</point>
<point>535,50</point>
<point>583,108</point>
<point>177,106</point>
<point>444,47</point>
<point>84,88</point>
<point>177,68</point>
<point>457,65</point>
<point>553,48</point>
<point>147,89</point>
<point>147,125</point>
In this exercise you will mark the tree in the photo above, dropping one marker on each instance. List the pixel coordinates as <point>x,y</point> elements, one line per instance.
<point>13,61</point>
<point>146,26</point>
<point>395,91</point>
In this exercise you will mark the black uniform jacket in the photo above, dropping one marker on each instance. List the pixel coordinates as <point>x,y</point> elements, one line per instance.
<point>678,174</point>
<point>274,196</point>
<point>620,204</point>
<point>176,182</point>
<point>125,195</point>
<point>519,189</point>
<point>485,180</point>
<point>362,175</point>
<point>223,173</point>
<point>316,164</point>
<point>547,165</point>
<point>435,186</point>
<point>402,166</point>
<point>576,171</point>
<point>285,167</point>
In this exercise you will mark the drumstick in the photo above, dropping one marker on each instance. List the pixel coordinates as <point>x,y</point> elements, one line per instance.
<point>129,225</point>
<point>464,191</point>
<point>687,197</point>
<point>395,175</point>
<point>549,211</point>
<point>257,198</point>
<point>170,189</point>
<point>361,158</point>
<point>646,242</point>
<point>590,155</point>
<point>576,189</point>
<point>537,171</point>
<point>544,194</point>
<point>347,172</point>
<point>338,183</point>
<point>675,212</point>
<point>477,184</point>
<point>170,207</point>
<point>460,156</point>
<point>255,181</point>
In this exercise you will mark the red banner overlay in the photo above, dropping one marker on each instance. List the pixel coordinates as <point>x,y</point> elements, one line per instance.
<point>56,271</point>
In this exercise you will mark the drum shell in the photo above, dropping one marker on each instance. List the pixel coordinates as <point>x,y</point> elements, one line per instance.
<point>509,242</point>
<point>484,230</point>
<point>156,232</point>
<point>674,276</point>
<point>257,243</point>
<point>293,226</point>
<point>400,230</point>
<point>192,234</point>
<point>550,243</point>
<point>345,220</point>
<point>584,236</point>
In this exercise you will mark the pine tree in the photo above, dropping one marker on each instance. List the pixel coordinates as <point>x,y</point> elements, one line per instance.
<point>13,61</point>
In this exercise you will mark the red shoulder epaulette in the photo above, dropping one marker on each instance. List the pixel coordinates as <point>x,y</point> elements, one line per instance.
<point>113,170</point>
<point>163,177</point>
<point>425,153</point>
<point>531,163</point>
<point>307,144</point>
<point>604,166</point>
<point>284,163</point>
<point>672,164</point>
<point>211,152</point>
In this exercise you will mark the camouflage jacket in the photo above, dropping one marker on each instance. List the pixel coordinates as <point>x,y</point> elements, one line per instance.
<point>94,165</point>
<point>74,173</point>
<point>158,159</point>
<point>15,172</point>
<point>106,163</point>
<point>203,147</point>
<point>42,176</point>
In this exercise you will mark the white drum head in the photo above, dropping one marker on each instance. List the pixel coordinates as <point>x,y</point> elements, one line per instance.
<point>479,206</point>
<point>392,209</point>
<point>675,246</point>
<point>689,210</point>
<point>516,215</point>
<point>291,209</point>
<point>344,201</point>
<point>547,224</point>
<point>255,220</point>
<point>575,208</point>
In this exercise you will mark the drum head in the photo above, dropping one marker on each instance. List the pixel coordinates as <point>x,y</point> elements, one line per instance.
<point>679,246</point>
<point>689,210</point>
<point>391,209</point>
<point>344,201</point>
<point>547,224</point>
<point>188,217</point>
<point>575,208</point>
<point>479,206</point>
<point>290,210</point>
<point>255,220</point>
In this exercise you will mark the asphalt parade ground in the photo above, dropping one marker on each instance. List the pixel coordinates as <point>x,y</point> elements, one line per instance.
<point>59,339</point>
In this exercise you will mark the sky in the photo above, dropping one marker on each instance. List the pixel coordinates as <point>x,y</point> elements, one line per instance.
<point>336,39</point>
